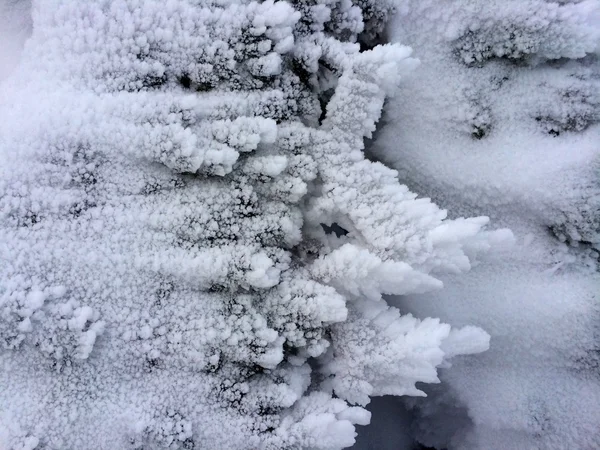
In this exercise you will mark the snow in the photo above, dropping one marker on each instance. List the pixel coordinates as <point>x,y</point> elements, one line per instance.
<point>510,132</point>
<point>169,172</point>
<point>164,179</point>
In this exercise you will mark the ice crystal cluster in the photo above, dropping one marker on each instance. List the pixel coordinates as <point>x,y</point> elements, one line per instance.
<point>207,241</point>
<point>169,174</point>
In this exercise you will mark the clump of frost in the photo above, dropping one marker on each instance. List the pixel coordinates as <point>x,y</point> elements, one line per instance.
<point>167,174</point>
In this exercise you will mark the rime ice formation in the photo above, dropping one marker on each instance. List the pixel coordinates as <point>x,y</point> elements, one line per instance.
<point>167,173</point>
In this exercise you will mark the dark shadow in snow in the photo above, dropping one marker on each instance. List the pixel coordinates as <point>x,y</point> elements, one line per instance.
<point>389,428</point>
<point>334,228</point>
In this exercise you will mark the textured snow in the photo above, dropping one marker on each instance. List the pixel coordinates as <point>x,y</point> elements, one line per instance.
<point>501,119</point>
<point>167,171</point>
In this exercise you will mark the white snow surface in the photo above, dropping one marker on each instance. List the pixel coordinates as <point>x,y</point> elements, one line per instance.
<point>501,119</point>
<point>15,28</point>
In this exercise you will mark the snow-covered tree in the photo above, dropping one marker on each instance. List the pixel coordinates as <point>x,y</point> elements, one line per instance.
<point>502,119</point>
<point>168,174</point>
